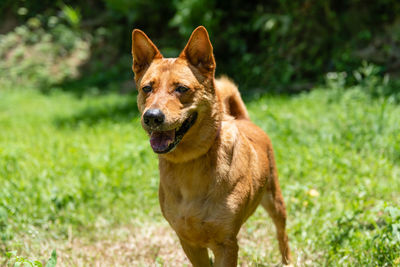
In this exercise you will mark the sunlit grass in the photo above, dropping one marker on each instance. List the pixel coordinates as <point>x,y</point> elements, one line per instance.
<point>82,167</point>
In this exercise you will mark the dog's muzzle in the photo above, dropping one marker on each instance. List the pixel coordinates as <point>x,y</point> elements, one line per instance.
<point>165,141</point>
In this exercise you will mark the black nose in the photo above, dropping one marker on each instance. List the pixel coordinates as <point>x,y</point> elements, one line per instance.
<point>153,117</point>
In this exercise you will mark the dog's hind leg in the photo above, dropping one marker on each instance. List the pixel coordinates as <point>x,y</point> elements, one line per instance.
<point>198,256</point>
<point>276,209</point>
<point>273,203</point>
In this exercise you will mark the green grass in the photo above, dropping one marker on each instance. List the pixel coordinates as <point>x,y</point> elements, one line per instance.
<point>84,165</point>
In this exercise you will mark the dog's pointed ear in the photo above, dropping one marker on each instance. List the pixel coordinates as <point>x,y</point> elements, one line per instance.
<point>199,51</point>
<point>143,51</point>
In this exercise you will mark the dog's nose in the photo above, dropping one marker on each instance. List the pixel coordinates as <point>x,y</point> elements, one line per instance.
<point>153,117</point>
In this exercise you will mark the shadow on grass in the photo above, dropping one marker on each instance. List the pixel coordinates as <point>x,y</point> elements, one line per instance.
<point>100,78</point>
<point>100,75</point>
<point>97,113</point>
<point>98,84</point>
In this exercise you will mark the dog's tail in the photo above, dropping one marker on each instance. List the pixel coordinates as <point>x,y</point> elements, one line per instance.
<point>229,96</point>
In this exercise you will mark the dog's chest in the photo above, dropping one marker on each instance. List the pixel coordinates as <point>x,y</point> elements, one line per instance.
<point>191,221</point>
<point>187,203</point>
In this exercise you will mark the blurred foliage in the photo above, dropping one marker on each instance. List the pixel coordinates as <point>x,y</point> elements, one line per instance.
<point>72,15</point>
<point>17,261</point>
<point>285,46</point>
<point>43,51</point>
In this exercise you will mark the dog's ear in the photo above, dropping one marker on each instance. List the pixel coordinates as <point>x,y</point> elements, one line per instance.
<point>143,51</point>
<point>199,51</point>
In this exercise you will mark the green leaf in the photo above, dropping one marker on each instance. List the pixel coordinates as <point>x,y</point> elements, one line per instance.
<point>10,254</point>
<point>73,15</point>
<point>53,259</point>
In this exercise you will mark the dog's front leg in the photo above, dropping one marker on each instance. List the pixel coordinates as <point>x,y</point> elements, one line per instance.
<point>226,254</point>
<point>198,256</point>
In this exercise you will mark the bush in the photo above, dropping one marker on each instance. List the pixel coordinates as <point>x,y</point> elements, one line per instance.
<point>44,51</point>
<point>368,79</point>
<point>289,45</point>
<point>285,46</point>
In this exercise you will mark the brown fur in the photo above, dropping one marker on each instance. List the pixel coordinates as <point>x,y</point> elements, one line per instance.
<point>223,167</point>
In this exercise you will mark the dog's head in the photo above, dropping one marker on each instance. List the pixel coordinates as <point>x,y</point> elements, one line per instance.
<point>174,93</point>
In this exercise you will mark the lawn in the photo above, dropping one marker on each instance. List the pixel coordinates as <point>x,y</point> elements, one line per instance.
<point>77,175</point>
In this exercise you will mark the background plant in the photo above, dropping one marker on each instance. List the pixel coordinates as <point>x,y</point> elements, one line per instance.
<point>285,46</point>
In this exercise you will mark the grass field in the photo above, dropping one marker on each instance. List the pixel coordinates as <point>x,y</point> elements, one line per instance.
<point>77,175</point>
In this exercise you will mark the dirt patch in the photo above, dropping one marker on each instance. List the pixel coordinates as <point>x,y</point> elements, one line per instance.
<point>145,245</point>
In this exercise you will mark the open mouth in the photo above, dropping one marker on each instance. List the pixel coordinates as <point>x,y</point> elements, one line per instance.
<point>164,141</point>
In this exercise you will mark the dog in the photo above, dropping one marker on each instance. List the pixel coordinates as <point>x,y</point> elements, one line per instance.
<point>215,165</point>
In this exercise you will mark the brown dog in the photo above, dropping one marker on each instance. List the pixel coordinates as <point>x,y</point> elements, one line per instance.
<point>216,166</point>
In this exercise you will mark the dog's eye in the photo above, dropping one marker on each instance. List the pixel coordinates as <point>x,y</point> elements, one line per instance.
<point>147,89</point>
<point>181,89</point>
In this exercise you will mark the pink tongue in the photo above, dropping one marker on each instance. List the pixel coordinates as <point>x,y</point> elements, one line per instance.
<point>160,141</point>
